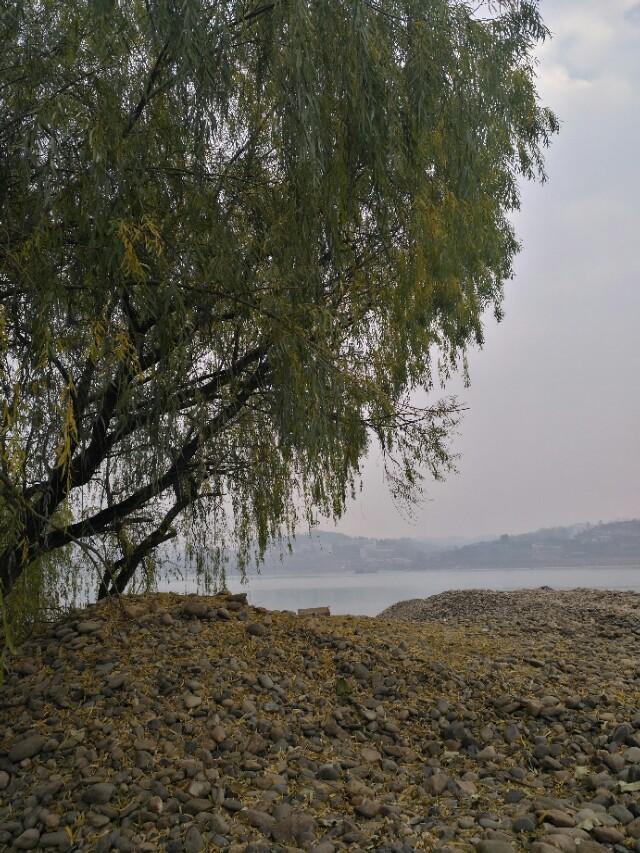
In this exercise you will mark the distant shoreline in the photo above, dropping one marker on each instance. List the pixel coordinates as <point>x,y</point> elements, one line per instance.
<point>369,594</point>
<point>320,573</point>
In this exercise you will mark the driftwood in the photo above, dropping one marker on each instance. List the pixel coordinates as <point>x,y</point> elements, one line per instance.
<point>314,611</point>
<point>239,597</point>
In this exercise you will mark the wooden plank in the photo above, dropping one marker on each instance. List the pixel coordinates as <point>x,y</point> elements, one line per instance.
<point>314,611</point>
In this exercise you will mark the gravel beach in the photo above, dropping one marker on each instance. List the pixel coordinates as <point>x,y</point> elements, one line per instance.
<point>471,720</point>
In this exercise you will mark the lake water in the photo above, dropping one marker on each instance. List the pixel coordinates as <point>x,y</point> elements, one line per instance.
<point>368,594</point>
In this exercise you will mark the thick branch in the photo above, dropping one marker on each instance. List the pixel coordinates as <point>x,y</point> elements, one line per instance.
<point>186,397</point>
<point>116,579</point>
<point>170,479</point>
<point>148,90</point>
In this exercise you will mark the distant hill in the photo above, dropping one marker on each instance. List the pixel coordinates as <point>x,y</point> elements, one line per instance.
<point>612,544</point>
<point>329,552</point>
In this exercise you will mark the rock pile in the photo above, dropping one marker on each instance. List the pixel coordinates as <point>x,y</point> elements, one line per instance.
<point>538,609</point>
<point>191,724</point>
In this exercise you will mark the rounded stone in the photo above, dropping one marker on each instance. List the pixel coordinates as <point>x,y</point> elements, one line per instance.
<point>60,840</point>
<point>88,627</point>
<point>99,794</point>
<point>27,840</point>
<point>525,823</point>
<point>28,747</point>
<point>368,808</point>
<point>494,846</point>
<point>328,772</point>
<point>193,842</point>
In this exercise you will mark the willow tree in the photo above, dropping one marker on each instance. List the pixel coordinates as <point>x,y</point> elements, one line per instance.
<point>235,238</point>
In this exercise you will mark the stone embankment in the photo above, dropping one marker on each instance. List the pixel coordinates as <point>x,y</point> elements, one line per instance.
<point>489,721</point>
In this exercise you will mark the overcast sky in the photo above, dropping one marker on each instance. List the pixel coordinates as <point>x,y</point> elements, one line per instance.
<point>552,435</point>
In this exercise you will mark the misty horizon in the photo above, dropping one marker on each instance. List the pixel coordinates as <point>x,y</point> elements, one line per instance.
<point>467,538</point>
<point>551,432</point>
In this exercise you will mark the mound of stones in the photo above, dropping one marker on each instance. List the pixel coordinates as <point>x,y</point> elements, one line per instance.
<point>169,723</point>
<point>539,609</point>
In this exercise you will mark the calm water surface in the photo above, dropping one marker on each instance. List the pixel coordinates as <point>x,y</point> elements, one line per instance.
<point>368,594</point>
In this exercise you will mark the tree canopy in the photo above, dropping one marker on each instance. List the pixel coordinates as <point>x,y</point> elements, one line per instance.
<point>235,238</point>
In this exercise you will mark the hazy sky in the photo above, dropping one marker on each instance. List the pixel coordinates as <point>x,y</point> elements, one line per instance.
<point>553,431</point>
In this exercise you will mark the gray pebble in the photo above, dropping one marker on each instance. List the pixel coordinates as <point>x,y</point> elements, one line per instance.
<point>27,840</point>
<point>261,820</point>
<point>493,846</point>
<point>27,748</point>
<point>525,823</point>
<point>88,627</point>
<point>328,772</point>
<point>59,839</point>
<point>193,842</point>
<point>99,794</point>
<point>368,808</point>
